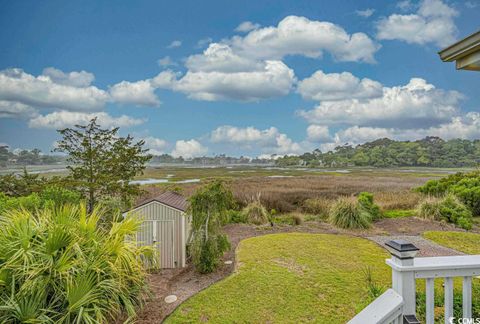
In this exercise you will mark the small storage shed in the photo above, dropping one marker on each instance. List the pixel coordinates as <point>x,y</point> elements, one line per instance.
<point>166,226</point>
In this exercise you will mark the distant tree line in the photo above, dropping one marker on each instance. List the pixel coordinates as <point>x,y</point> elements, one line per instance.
<point>220,159</point>
<point>26,157</point>
<point>428,152</point>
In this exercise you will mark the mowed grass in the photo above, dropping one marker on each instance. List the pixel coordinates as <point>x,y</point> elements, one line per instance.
<point>461,241</point>
<point>291,278</point>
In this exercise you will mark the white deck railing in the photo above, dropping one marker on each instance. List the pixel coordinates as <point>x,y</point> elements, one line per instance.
<point>406,269</point>
<point>388,308</point>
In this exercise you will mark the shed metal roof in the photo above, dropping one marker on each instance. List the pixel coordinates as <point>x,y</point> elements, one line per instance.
<point>169,198</point>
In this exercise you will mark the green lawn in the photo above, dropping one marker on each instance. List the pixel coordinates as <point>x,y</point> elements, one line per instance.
<point>291,278</point>
<point>461,241</point>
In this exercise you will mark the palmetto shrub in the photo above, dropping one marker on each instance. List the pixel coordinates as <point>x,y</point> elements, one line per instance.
<point>347,213</point>
<point>59,266</point>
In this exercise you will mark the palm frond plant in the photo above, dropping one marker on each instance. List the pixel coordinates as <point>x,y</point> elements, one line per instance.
<point>58,265</point>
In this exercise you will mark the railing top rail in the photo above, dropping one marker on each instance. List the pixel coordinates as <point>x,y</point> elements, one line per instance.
<point>383,309</point>
<point>457,262</point>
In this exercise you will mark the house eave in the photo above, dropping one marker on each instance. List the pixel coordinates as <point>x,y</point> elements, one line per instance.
<point>465,52</point>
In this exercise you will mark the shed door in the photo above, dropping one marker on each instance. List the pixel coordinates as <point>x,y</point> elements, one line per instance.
<point>165,243</point>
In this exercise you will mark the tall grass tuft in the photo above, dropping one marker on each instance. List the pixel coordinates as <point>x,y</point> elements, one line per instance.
<point>430,208</point>
<point>318,207</point>
<point>256,213</point>
<point>346,213</point>
<point>58,265</point>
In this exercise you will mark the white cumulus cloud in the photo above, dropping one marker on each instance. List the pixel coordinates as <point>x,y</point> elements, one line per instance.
<point>431,23</point>
<point>43,91</point>
<point>275,79</point>
<point>156,146</point>
<point>11,109</point>
<point>269,140</point>
<point>62,119</point>
<point>296,35</point>
<point>141,93</point>
<point>246,26</point>
<point>365,13</point>
<point>417,103</point>
<point>338,86</point>
<point>318,133</point>
<point>189,149</point>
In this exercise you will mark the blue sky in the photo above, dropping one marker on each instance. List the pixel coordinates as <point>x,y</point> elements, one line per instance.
<point>208,77</point>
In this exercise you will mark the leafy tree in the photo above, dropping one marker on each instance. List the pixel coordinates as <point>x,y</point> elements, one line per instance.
<point>101,162</point>
<point>209,209</point>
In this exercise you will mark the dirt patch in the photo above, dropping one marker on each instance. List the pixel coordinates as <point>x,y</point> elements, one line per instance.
<point>186,282</point>
<point>411,226</point>
<point>291,266</point>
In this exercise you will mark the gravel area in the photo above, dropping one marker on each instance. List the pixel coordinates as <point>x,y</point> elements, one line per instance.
<point>427,247</point>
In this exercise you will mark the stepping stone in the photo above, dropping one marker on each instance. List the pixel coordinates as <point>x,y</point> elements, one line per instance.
<point>170,299</point>
<point>228,262</point>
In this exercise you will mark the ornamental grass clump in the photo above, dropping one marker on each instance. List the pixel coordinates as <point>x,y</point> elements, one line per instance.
<point>58,265</point>
<point>255,213</point>
<point>347,213</point>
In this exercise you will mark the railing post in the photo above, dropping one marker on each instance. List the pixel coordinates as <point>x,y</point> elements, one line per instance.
<point>403,281</point>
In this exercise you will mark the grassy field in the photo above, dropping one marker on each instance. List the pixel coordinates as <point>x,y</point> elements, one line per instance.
<point>464,242</point>
<point>291,278</point>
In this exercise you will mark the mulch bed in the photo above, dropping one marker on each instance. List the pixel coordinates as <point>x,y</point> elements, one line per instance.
<point>186,282</point>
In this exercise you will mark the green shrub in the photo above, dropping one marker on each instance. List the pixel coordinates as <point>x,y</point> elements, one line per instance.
<point>236,216</point>
<point>317,206</point>
<point>256,213</point>
<point>59,266</point>
<point>49,197</point>
<point>206,251</point>
<point>346,213</point>
<point>468,191</point>
<point>466,186</point>
<point>365,200</point>
<point>448,208</point>
<point>441,186</point>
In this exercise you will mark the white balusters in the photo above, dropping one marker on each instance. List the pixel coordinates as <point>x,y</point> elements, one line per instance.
<point>405,270</point>
<point>448,299</point>
<point>467,297</point>
<point>430,300</point>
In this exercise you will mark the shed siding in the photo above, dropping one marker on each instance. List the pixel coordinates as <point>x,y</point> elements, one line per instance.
<point>170,231</point>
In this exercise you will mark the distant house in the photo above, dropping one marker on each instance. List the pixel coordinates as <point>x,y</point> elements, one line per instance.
<point>166,226</point>
<point>465,53</point>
